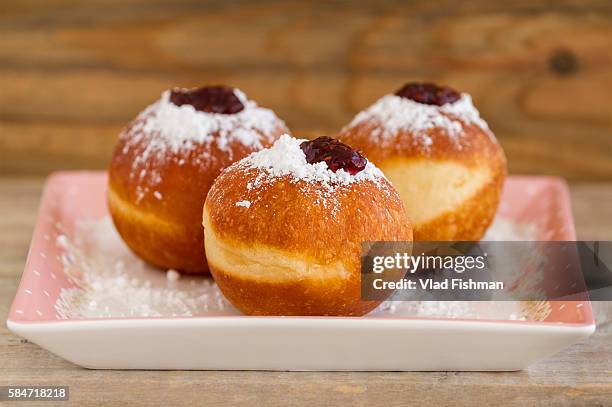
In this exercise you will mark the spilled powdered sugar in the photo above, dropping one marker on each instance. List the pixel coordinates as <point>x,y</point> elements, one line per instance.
<point>502,229</point>
<point>165,129</point>
<point>112,282</point>
<point>286,159</point>
<point>483,310</point>
<point>396,113</point>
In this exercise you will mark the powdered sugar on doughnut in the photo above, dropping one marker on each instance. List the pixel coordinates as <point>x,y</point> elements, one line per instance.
<point>396,114</point>
<point>285,159</point>
<point>165,128</point>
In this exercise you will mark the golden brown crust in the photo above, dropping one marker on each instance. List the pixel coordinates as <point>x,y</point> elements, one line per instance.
<point>475,148</point>
<point>298,297</point>
<point>163,225</point>
<point>289,216</point>
<point>160,242</point>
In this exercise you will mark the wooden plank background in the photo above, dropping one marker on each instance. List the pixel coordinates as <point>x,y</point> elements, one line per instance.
<point>73,73</point>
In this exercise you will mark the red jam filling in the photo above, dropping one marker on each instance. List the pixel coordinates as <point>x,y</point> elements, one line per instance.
<point>428,93</point>
<point>210,99</point>
<point>334,153</point>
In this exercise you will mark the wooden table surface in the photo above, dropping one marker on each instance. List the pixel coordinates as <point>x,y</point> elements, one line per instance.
<point>579,375</point>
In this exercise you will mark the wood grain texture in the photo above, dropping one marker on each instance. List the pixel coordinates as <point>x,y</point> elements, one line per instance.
<point>578,376</point>
<point>72,73</point>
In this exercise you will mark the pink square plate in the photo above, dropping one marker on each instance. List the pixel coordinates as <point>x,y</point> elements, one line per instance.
<point>488,336</point>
